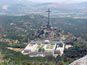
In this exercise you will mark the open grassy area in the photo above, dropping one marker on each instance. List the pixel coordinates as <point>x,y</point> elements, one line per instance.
<point>40,45</point>
<point>49,46</point>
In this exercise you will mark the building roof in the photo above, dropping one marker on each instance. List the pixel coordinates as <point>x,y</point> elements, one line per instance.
<point>26,51</point>
<point>57,52</point>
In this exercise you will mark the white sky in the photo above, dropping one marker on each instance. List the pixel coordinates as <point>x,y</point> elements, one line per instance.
<point>66,1</point>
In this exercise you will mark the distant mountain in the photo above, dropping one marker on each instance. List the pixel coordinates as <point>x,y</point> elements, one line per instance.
<point>65,6</point>
<point>15,6</point>
<point>9,2</point>
<point>26,6</point>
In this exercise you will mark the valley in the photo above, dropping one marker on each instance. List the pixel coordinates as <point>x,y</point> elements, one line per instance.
<point>28,36</point>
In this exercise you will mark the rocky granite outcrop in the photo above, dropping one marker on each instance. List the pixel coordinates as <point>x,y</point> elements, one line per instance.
<point>81,61</point>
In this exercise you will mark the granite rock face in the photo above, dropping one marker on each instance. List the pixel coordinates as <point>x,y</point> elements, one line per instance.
<point>81,61</point>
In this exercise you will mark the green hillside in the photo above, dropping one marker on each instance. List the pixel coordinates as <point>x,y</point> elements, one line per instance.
<point>23,24</point>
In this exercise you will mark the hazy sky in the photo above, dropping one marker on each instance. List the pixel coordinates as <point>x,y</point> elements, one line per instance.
<point>67,1</point>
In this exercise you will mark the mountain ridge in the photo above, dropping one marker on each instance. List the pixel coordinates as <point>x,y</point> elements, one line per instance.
<point>22,7</point>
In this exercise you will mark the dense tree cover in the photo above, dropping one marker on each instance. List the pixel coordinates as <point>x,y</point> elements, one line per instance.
<point>78,50</point>
<point>23,24</point>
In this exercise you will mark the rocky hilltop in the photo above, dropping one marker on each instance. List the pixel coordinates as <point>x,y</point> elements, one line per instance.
<point>81,61</point>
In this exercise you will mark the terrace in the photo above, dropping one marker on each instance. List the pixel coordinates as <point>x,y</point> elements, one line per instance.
<point>41,47</point>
